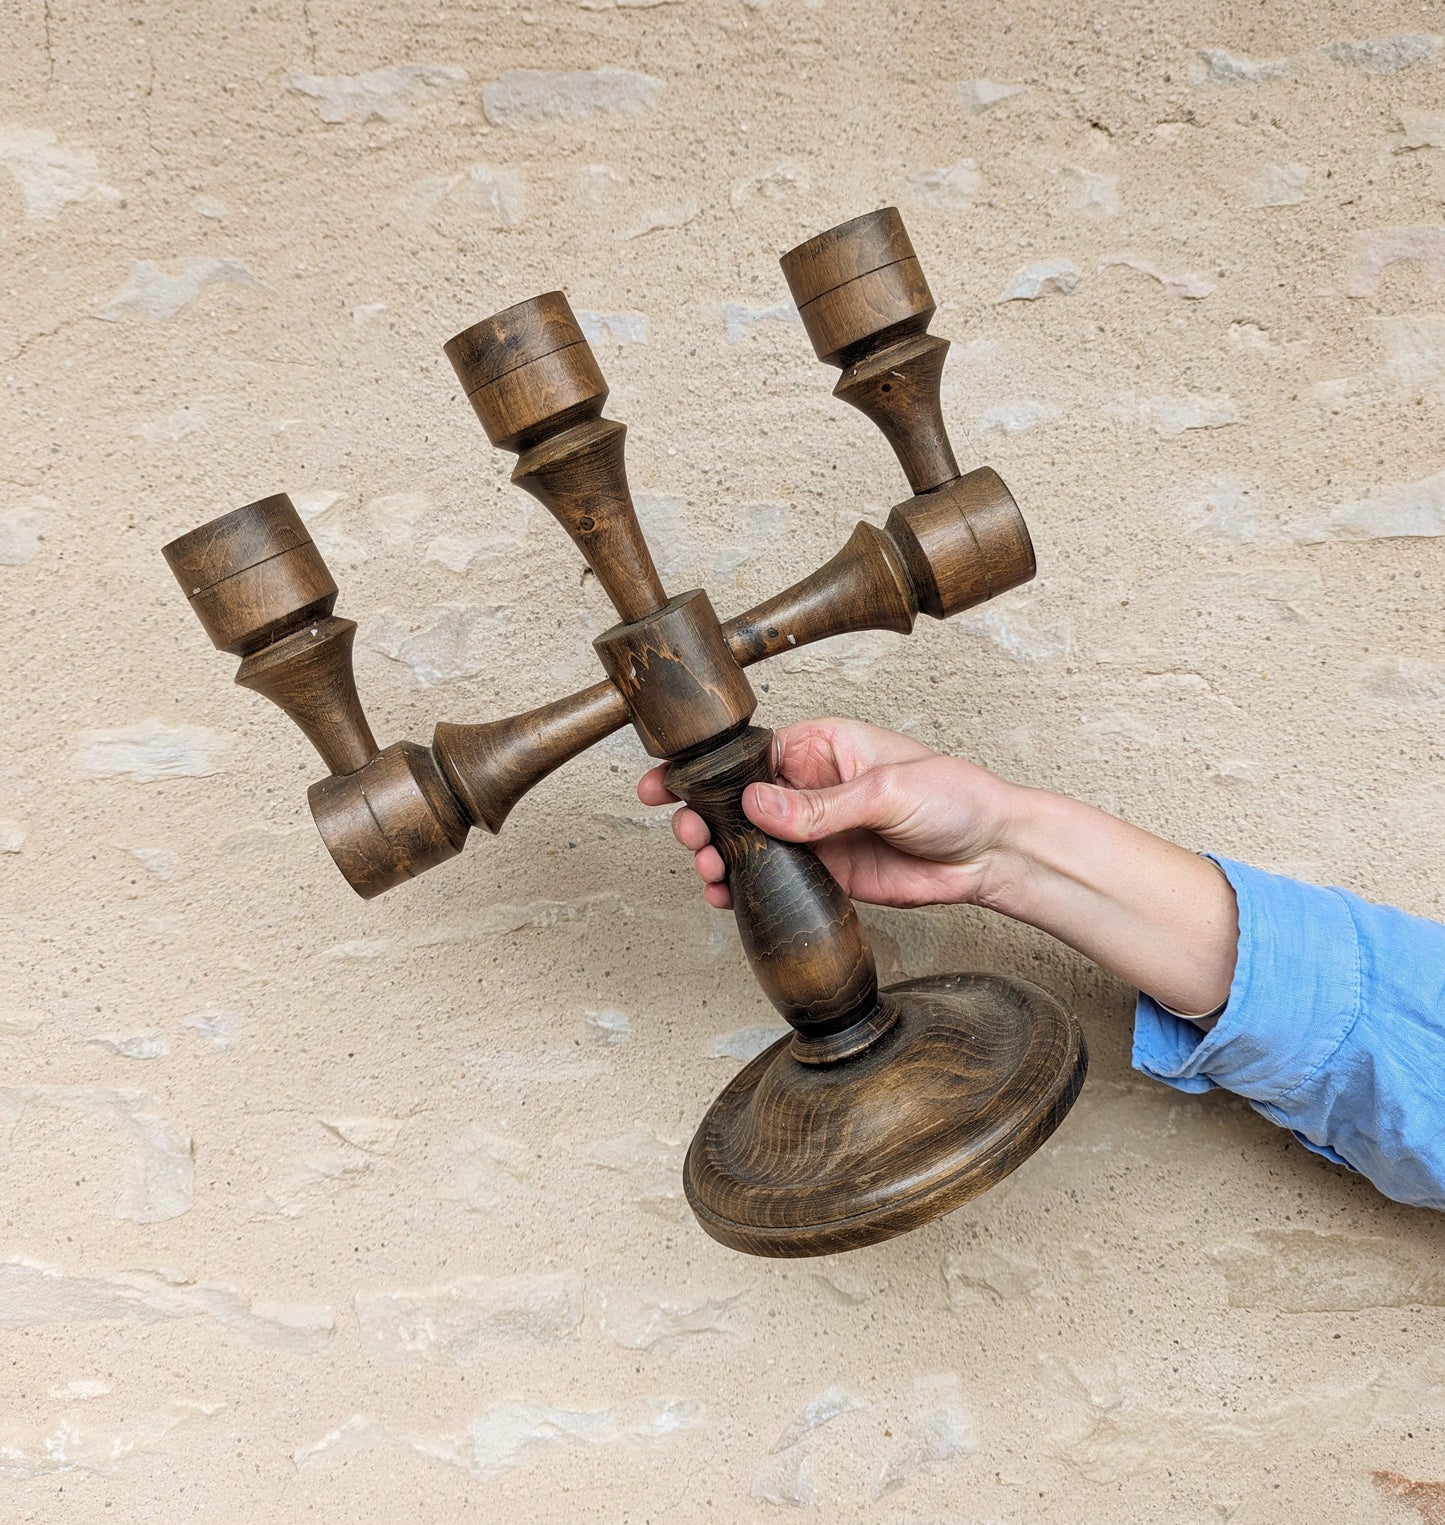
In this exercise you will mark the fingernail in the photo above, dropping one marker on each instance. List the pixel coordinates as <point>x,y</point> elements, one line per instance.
<point>772,799</point>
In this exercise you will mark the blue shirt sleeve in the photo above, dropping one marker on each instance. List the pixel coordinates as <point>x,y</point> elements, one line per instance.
<point>1334,1029</point>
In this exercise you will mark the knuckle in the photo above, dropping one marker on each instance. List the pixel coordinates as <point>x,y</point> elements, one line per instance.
<point>882,791</point>
<point>815,811</point>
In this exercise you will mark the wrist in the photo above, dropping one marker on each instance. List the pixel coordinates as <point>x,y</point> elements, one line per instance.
<point>1014,863</point>
<point>1149,912</point>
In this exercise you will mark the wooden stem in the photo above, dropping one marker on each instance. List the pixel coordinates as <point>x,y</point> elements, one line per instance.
<point>799,930</point>
<point>897,386</point>
<point>492,765</point>
<point>863,587</point>
<point>580,477</point>
<point>308,674</point>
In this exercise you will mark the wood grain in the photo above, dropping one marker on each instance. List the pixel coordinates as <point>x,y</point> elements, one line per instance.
<point>492,765</point>
<point>252,575</point>
<point>844,253</point>
<point>882,1109</point>
<point>262,590</point>
<point>580,477</point>
<point>308,674</point>
<point>974,1074</point>
<point>535,384</point>
<point>939,554</point>
<point>680,681</point>
<point>800,932</point>
<point>389,821</point>
<point>866,307</point>
<point>963,544</point>
<point>897,385</point>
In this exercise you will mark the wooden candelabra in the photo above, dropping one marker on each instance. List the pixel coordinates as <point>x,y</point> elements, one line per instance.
<point>884,1108</point>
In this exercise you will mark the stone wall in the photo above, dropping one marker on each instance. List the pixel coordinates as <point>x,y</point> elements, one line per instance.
<point>316,1208</point>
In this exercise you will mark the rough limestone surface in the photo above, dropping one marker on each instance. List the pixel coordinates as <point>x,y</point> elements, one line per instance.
<point>372,1212</point>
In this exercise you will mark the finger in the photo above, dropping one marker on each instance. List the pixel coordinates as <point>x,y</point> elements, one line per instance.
<point>690,829</point>
<point>817,754</point>
<point>651,790</point>
<point>720,896</point>
<point>804,756</point>
<point>870,801</point>
<point>710,865</point>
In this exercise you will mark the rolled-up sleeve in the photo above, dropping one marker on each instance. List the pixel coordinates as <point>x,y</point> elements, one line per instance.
<point>1334,1029</point>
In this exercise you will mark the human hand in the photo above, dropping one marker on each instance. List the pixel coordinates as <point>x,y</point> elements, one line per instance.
<point>894,822</point>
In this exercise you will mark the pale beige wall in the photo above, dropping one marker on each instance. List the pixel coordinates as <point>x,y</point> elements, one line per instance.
<point>316,1209</point>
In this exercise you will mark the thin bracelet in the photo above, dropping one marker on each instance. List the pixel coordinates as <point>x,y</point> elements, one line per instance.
<point>1204,1016</point>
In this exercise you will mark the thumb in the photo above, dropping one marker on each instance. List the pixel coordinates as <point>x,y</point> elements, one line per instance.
<point>807,815</point>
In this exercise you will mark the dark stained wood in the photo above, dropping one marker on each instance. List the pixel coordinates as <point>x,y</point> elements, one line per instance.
<point>260,588</point>
<point>669,660</point>
<point>941,553</point>
<point>865,586</point>
<point>867,312</point>
<point>964,543</point>
<point>800,932</point>
<point>550,392</point>
<point>252,575</point>
<point>974,1073</point>
<point>492,765</point>
<point>234,541</point>
<point>308,674</point>
<point>537,388</point>
<point>528,371</point>
<point>263,602</point>
<point>879,580</point>
<point>514,337</point>
<point>866,307</point>
<point>897,386</point>
<point>580,476</point>
<point>389,821</point>
<point>854,248</point>
<point>681,683</point>
<point>938,554</point>
<point>882,1109</point>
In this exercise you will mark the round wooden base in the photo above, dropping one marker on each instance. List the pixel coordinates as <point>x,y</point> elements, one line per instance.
<point>796,1159</point>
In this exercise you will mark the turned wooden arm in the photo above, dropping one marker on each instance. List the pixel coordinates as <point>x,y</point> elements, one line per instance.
<point>534,383</point>
<point>866,307</point>
<point>261,590</point>
<point>937,555</point>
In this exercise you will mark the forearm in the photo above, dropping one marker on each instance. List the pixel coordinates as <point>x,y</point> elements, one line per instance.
<point>1162,919</point>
